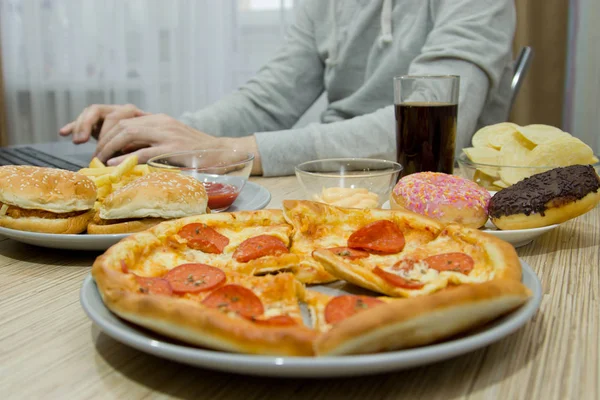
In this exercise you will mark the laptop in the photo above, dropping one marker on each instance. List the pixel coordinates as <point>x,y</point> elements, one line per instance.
<point>60,154</point>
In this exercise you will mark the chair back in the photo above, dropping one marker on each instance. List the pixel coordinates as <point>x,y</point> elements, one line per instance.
<point>522,64</point>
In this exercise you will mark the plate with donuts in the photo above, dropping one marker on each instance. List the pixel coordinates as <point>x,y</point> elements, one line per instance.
<point>517,214</point>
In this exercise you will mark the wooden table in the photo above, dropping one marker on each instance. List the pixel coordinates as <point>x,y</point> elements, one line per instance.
<point>50,349</point>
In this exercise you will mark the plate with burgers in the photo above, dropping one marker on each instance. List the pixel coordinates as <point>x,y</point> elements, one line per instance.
<point>56,208</point>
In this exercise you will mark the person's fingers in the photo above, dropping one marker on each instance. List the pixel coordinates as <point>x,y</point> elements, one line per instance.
<point>129,131</point>
<point>143,122</point>
<point>143,155</point>
<point>67,129</point>
<point>129,147</point>
<point>113,118</point>
<point>87,120</point>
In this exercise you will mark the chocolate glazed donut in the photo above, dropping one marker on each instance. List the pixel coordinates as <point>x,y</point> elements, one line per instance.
<point>551,197</point>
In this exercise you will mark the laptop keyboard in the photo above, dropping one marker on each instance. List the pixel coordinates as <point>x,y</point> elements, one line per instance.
<point>31,156</point>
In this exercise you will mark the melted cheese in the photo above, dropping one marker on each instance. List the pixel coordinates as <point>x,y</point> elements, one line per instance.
<point>420,272</point>
<point>167,257</point>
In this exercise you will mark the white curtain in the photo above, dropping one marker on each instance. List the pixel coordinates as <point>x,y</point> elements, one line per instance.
<point>583,73</point>
<point>162,55</point>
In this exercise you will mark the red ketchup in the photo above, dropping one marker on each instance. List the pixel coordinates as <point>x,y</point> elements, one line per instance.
<point>220,195</point>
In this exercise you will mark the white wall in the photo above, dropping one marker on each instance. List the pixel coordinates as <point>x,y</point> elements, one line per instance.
<point>582,105</point>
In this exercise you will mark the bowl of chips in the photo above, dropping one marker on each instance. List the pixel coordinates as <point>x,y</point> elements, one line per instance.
<point>348,182</point>
<point>506,153</point>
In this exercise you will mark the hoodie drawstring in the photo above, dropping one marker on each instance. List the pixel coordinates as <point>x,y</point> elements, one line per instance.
<point>332,59</point>
<point>386,23</point>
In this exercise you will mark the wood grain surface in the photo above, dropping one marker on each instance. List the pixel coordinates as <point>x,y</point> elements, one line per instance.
<point>50,349</point>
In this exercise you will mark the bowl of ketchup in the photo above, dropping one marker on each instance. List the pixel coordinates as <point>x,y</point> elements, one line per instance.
<point>223,172</point>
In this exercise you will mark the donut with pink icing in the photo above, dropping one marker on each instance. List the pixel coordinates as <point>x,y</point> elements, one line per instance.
<point>444,197</point>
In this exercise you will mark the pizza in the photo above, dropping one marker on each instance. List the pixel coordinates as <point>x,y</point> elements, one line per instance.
<point>398,253</point>
<point>238,281</point>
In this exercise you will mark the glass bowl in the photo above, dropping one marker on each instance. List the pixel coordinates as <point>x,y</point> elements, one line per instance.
<point>224,172</point>
<point>496,177</point>
<point>349,182</point>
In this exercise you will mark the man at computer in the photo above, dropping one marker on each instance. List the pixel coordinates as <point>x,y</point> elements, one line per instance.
<point>351,50</point>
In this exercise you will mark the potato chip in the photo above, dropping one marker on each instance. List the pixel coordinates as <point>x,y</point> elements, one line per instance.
<point>502,133</point>
<point>537,134</point>
<point>484,136</point>
<point>514,154</point>
<point>501,184</point>
<point>485,155</point>
<point>560,152</point>
<point>483,179</point>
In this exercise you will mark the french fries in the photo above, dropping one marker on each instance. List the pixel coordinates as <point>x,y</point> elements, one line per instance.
<point>109,179</point>
<point>96,163</point>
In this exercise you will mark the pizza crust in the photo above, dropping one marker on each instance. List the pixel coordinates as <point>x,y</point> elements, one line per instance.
<point>422,320</point>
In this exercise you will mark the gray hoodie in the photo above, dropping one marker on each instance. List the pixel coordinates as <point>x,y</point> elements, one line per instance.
<point>352,49</point>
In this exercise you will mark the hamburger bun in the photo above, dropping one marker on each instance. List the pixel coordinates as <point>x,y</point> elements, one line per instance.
<point>45,200</point>
<point>149,200</point>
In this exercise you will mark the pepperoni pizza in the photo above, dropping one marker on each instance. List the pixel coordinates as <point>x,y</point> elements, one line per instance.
<point>236,281</point>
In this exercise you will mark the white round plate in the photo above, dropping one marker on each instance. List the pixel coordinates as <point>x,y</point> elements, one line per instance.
<point>317,367</point>
<point>517,237</point>
<point>252,197</point>
<point>63,241</point>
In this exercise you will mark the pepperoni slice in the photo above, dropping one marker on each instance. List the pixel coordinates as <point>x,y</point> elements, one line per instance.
<point>193,278</point>
<point>235,298</point>
<point>259,246</point>
<point>204,238</point>
<point>397,280</point>
<point>154,285</point>
<point>347,252</point>
<point>124,268</point>
<point>342,307</point>
<point>382,236</point>
<point>279,320</point>
<point>458,262</point>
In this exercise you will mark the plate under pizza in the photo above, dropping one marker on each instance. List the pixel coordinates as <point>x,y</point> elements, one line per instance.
<point>286,285</point>
<point>309,367</point>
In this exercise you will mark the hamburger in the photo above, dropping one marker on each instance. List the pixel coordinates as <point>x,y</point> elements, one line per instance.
<point>149,200</point>
<point>45,200</point>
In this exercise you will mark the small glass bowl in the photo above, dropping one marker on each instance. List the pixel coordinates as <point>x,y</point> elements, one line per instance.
<point>490,177</point>
<point>224,172</point>
<point>349,182</point>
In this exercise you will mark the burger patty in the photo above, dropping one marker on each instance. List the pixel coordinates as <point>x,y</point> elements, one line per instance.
<point>99,221</point>
<point>18,212</point>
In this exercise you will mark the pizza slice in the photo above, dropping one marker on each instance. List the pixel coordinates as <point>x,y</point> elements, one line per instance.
<point>456,256</point>
<point>360,324</point>
<point>397,253</point>
<point>202,304</point>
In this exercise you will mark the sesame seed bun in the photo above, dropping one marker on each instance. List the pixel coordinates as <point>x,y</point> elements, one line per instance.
<point>45,199</point>
<point>149,200</point>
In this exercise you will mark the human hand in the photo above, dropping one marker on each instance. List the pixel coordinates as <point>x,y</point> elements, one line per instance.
<point>98,119</point>
<point>154,135</point>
